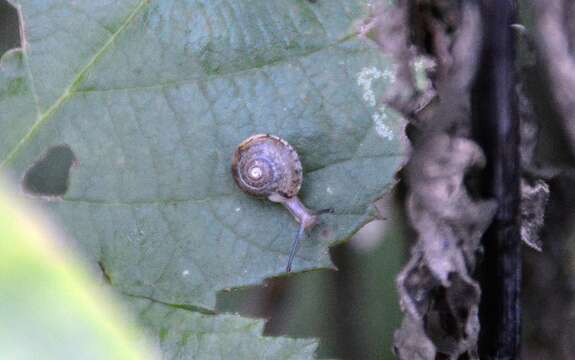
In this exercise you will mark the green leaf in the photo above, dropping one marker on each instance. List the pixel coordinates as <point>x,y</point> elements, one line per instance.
<point>179,331</point>
<point>49,307</point>
<point>121,117</point>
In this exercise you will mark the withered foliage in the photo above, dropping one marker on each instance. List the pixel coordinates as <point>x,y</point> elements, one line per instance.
<point>438,294</point>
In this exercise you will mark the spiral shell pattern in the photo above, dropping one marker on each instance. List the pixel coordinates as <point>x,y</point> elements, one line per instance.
<point>264,165</point>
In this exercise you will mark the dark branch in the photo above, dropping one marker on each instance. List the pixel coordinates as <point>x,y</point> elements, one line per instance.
<point>496,128</point>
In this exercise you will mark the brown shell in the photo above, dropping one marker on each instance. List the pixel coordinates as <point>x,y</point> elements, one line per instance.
<point>274,165</point>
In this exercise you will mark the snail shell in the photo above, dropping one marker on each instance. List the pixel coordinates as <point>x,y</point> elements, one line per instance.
<point>267,166</point>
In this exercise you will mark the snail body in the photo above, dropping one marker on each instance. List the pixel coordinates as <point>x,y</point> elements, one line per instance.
<point>266,166</point>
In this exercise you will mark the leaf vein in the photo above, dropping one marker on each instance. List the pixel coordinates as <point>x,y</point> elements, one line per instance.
<point>69,91</point>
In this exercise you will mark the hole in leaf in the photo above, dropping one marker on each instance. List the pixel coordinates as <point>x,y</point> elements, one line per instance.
<point>50,175</point>
<point>9,27</point>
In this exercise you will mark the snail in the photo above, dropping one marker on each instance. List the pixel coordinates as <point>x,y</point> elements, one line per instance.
<point>266,166</point>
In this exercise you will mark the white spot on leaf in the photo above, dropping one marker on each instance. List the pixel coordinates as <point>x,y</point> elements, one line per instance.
<point>366,77</point>
<point>329,190</point>
<point>185,273</point>
<point>365,80</point>
<point>381,127</point>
